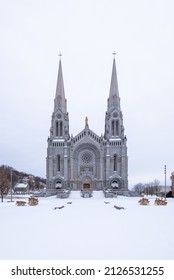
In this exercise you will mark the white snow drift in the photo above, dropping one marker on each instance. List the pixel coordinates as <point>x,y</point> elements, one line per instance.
<point>88,228</point>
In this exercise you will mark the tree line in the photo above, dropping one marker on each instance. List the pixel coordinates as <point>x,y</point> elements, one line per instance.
<point>151,188</point>
<point>9,175</point>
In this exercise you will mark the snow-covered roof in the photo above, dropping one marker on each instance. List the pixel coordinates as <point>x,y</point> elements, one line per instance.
<point>21,186</point>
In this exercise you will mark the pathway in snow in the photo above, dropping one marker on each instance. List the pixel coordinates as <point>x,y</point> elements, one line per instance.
<point>96,194</point>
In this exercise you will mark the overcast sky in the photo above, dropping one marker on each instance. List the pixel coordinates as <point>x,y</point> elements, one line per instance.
<point>141,32</point>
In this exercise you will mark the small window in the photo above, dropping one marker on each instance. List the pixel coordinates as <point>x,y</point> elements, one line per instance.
<point>113,130</point>
<point>115,162</point>
<point>61,129</point>
<point>117,128</point>
<point>57,128</point>
<point>58,163</point>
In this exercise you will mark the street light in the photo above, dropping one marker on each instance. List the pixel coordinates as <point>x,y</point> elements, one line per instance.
<point>165,178</point>
<point>11,176</point>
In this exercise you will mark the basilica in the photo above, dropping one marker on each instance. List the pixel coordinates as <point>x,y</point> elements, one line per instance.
<point>87,160</point>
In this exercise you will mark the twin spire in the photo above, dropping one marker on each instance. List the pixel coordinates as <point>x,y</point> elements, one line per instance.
<point>60,100</point>
<point>113,100</point>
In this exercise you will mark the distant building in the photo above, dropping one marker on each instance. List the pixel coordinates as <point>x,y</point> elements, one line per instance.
<point>87,160</point>
<point>21,188</point>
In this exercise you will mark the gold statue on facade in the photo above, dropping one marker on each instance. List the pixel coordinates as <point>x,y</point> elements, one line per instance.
<point>86,120</point>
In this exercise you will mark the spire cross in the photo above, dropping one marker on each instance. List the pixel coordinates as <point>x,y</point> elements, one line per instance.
<point>114,54</point>
<point>60,55</point>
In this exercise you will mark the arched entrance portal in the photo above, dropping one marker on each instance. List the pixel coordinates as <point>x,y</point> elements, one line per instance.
<point>115,184</point>
<point>58,185</point>
<point>86,184</point>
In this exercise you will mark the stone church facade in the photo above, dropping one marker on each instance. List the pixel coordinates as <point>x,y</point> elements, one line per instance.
<point>87,160</point>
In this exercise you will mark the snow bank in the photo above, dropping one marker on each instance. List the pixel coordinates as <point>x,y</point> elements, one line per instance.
<point>88,228</point>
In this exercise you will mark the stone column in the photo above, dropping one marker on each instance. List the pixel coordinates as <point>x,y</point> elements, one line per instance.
<point>107,160</point>
<point>65,163</point>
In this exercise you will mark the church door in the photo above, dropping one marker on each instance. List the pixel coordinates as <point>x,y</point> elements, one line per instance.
<point>86,186</point>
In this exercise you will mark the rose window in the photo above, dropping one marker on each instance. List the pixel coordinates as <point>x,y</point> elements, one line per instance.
<point>86,157</point>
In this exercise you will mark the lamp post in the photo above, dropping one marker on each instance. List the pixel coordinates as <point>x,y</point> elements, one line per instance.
<point>11,181</point>
<point>165,178</point>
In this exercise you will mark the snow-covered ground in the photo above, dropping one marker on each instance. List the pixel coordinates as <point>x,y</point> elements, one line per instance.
<point>86,229</point>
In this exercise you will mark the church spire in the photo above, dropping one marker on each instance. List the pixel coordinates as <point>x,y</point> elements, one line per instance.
<point>114,99</point>
<point>60,100</point>
<point>114,119</point>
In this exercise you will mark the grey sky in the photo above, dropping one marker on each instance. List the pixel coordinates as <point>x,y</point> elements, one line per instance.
<point>87,32</point>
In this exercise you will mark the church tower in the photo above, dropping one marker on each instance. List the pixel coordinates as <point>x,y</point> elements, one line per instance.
<point>60,119</point>
<point>116,154</point>
<point>86,159</point>
<point>57,162</point>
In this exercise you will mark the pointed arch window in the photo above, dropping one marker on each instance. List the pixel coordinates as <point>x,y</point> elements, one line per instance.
<point>115,162</point>
<point>115,127</point>
<point>58,163</point>
<point>59,129</point>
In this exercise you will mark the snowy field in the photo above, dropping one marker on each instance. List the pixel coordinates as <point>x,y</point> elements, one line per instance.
<point>87,229</point>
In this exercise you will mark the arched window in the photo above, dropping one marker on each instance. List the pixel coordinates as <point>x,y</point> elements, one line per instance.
<point>59,129</point>
<point>113,128</point>
<point>115,184</point>
<point>117,127</point>
<point>115,162</point>
<point>58,163</point>
<point>58,185</point>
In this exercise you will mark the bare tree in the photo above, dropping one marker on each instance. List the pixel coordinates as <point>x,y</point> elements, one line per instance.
<point>4,183</point>
<point>147,188</point>
<point>139,188</point>
<point>156,183</point>
<point>150,188</point>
